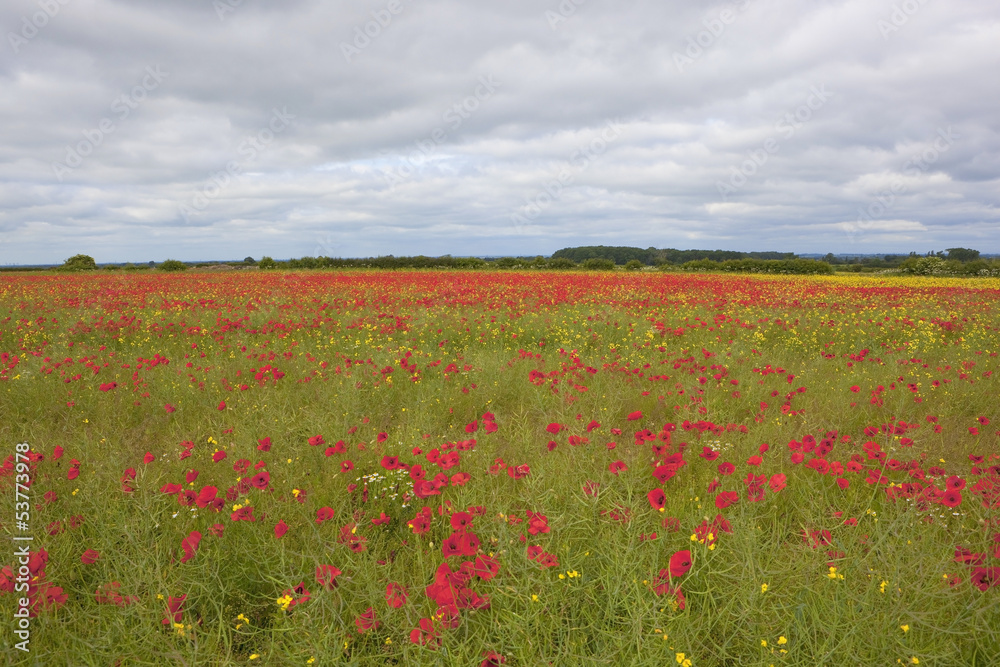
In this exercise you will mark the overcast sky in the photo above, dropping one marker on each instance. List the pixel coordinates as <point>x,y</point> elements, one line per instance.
<point>200,129</point>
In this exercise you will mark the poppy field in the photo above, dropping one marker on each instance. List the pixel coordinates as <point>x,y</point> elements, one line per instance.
<point>486,468</point>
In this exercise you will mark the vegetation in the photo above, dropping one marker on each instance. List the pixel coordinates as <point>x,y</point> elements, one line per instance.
<point>517,467</point>
<point>79,263</point>
<point>172,265</point>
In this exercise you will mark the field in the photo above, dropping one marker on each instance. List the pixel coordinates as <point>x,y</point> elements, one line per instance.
<point>377,468</point>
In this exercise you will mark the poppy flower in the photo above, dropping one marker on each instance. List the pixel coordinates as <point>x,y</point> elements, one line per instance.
<point>726,498</point>
<point>617,466</point>
<point>395,595</point>
<point>633,416</point>
<point>326,576</point>
<point>222,406</point>
<point>554,428</point>
<point>778,482</point>
<point>169,408</point>
<point>264,444</point>
<point>726,468</point>
<point>452,546</point>
<point>680,563</point>
<point>280,529</point>
<point>218,456</point>
<point>492,659</point>
<point>217,529</point>
<point>190,545</point>
<point>460,478</point>
<point>89,557</point>
<point>657,499</point>
<point>175,607</point>
<point>148,458</point>
<point>461,521</point>
<point>316,440</point>
<point>324,514</point>
<point>984,578</point>
<point>261,479</point>
<point>346,466</point>
<point>951,498</point>
<point>708,453</point>
<point>366,621</point>
<point>955,483</point>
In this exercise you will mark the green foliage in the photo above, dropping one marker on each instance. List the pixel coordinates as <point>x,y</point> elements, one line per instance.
<point>79,263</point>
<point>787,266</point>
<point>172,265</point>
<point>249,260</point>
<point>633,265</point>
<point>597,264</point>
<point>267,264</point>
<point>963,254</point>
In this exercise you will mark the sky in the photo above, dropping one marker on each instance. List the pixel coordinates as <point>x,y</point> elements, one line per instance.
<point>220,129</point>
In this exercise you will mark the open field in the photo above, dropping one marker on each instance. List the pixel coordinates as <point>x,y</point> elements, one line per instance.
<point>451,468</point>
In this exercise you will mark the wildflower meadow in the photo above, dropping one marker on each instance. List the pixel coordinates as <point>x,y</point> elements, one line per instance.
<point>490,467</point>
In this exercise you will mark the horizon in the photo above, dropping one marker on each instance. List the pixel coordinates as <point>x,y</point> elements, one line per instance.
<point>394,127</point>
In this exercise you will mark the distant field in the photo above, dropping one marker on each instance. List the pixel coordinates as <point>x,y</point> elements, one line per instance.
<point>377,468</point>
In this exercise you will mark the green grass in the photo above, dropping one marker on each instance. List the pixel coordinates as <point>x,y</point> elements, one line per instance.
<point>609,614</point>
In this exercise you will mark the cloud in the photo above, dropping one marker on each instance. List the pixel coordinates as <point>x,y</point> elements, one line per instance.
<point>396,145</point>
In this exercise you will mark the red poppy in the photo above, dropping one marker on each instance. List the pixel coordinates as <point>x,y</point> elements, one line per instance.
<point>632,416</point>
<point>222,406</point>
<point>346,466</point>
<point>261,479</point>
<point>492,659</point>
<point>264,444</point>
<point>951,498</point>
<point>280,529</point>
<point>218,456</point>
<point>324,514</point>
<point>726,468</point>
<point>708,453</point>
<point>460,478</point>
<point>366,621</point>
<point>326,576</point>
<point>778,482</point>
<point>554,428</point>
<point>169,408</point>
<point>382,519</point>
<point>148,458</point>
<point>89,557</point>
<point>755,460</point>
<point>395,595</point>
<point>657,499</point>
<point>216,529</point>
<point>190,545</point>
<point>726,498</point>
<point>617,466</point>
<point>984,578</point>
<point>461,521</point>
<point>680,563</point>
<point>955,483</point>
<point>316,441</point>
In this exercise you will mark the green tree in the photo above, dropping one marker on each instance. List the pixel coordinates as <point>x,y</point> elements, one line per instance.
<point>633,265</point>
<point>267,264</point>
<point>79,263</point>
<point>172,265</point>
<point>249,260</point>
<point>963,254</point>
